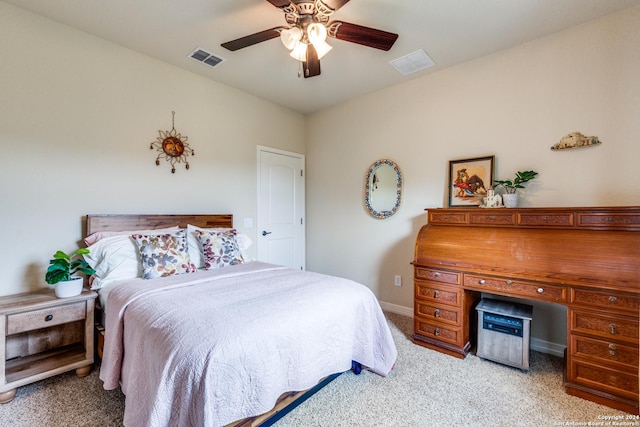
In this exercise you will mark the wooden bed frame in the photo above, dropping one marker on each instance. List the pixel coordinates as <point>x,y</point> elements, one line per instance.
<point>115,222</point>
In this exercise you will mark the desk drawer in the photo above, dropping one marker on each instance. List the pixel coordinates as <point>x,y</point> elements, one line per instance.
<point>616,382</point>
<point>558,219</point>
<point>614,328</point>
<point>437,293</point>
<point>609,220</point>
<point>37,319</point>
<point>517,288</point>
<point>437,275</point>
<point>492,218</point>
<point>601,351</point>
<point>447,217</point>
<point>442,314</point>
<point>438,331</point>
<point>605,300</point>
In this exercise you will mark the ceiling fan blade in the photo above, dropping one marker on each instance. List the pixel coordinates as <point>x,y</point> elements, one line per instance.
<point>311,67</point>
<point>252,39</point>
<point>365,36</point>
<point>335,4</point>
<point>279,3</point>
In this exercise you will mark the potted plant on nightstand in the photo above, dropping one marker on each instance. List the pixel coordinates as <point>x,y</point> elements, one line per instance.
<point>510,196</point>
<point>62,269</point>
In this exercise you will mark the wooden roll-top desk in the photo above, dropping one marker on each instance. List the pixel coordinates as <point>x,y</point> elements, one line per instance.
<point>587,259</point>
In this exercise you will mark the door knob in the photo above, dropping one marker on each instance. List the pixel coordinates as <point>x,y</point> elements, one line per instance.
<point>264,233</point>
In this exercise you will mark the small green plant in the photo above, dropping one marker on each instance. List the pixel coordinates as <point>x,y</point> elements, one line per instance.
<point>63,266</point>
<point>510,186</point>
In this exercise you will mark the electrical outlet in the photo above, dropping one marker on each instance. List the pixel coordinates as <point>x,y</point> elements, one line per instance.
<point>398,280</point>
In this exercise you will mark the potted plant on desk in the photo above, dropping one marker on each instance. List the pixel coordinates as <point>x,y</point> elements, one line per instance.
<point>510,196</point>
<point>62,269</point>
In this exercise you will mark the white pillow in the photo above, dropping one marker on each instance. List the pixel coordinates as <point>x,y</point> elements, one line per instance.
<point>115,258</point>
<point>99,235</point>
<point>195,247</point>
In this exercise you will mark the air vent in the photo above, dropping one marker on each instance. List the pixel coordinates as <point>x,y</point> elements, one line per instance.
<point>413,62</point>
<point>205,57</point>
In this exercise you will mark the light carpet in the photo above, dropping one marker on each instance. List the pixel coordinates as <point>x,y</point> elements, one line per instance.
<point>426,388</point>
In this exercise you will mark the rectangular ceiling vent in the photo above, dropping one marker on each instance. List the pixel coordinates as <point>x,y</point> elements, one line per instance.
<point>413,62</point>
<point>205,57</point>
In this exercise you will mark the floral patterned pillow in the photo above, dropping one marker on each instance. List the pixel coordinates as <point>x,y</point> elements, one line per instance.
<point>220,248</point>
<point>164,254</point>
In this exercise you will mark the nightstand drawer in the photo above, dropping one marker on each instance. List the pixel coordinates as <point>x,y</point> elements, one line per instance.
<point>37,319</point>
<point>438,331</point>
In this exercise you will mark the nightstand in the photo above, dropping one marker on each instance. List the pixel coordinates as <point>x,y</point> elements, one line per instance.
<point>42,336</point>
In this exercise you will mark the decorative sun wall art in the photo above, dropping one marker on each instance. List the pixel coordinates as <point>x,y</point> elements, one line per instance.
<point>172,146</point>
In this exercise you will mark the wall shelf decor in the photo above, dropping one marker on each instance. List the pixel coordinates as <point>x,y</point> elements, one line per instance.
<point>172,146</point>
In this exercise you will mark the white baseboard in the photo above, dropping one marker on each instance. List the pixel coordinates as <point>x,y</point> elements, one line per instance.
<point>536,344</point>
<point>547,347</point>
<point>398,309</point>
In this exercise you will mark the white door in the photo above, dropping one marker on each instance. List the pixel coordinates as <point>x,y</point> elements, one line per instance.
<point>281,204</point>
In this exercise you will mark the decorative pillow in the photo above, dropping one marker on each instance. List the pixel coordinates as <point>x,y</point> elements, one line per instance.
<point>99,235</point>
<point>164,254</point>
<point>220,248</point>
<point>195,247</point>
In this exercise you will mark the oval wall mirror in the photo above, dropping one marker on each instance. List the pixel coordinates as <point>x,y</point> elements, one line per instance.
<point>383,189</point>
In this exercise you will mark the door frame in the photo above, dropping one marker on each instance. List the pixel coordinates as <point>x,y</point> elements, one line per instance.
<point>301,157</point>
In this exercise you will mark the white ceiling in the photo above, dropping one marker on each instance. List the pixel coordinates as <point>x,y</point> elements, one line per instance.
<point>450,31</point>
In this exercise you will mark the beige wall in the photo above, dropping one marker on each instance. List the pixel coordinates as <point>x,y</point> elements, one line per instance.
<point>514,104</point>
<point>77,115</point>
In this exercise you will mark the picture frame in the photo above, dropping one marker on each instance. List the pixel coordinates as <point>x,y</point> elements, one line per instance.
<point>469,180</point>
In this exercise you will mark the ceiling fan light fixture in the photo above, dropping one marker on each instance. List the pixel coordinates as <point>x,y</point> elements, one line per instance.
<point>317,33</point>
<point>290,36</point>
<point>299,52</point>
<point>322,48</point>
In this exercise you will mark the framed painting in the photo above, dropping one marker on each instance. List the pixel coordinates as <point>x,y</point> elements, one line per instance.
<point>469,180</point>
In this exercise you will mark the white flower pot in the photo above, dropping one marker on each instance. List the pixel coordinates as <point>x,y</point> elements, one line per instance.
<point>510,200</point>
<point>69,288</point>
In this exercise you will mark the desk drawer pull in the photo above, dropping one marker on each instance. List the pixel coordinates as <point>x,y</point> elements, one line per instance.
<point>48,318</point>
<point>436,274</point>
<point>540,290</point>
<point>613,300</point>
<point>509,281</point>
<point>482,281</point>
<point>436,313</point>
<point>613,327</point>
<point>612,349</point>
<point>436,294</point>
<point>436,331</point>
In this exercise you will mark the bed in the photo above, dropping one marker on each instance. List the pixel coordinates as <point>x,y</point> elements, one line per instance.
<point>239,343</point>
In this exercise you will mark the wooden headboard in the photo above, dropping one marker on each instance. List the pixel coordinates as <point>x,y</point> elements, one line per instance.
<point>116,222</point>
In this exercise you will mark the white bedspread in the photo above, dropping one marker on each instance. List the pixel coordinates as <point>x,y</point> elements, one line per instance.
<point>225,344</point>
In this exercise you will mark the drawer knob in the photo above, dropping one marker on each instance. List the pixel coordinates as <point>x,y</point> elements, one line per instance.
<point>436,313</point>
<point>612,328</point>
<point>492,218</point>
<point>436,294</point>
<point>613,300</point>
<point>482,281</point>
<point>540,290</point>
<point>436,331</point>
<point>612,349</point>
<point>436,274</point>
<point>545,218</point>
<point>48,318</point>
<point>509,281</point>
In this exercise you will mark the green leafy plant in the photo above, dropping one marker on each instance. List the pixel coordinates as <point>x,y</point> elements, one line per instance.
<point>510,186</point>
<point>63,266</point>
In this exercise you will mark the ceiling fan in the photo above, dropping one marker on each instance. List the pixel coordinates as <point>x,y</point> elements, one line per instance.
<point>307,29</point>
